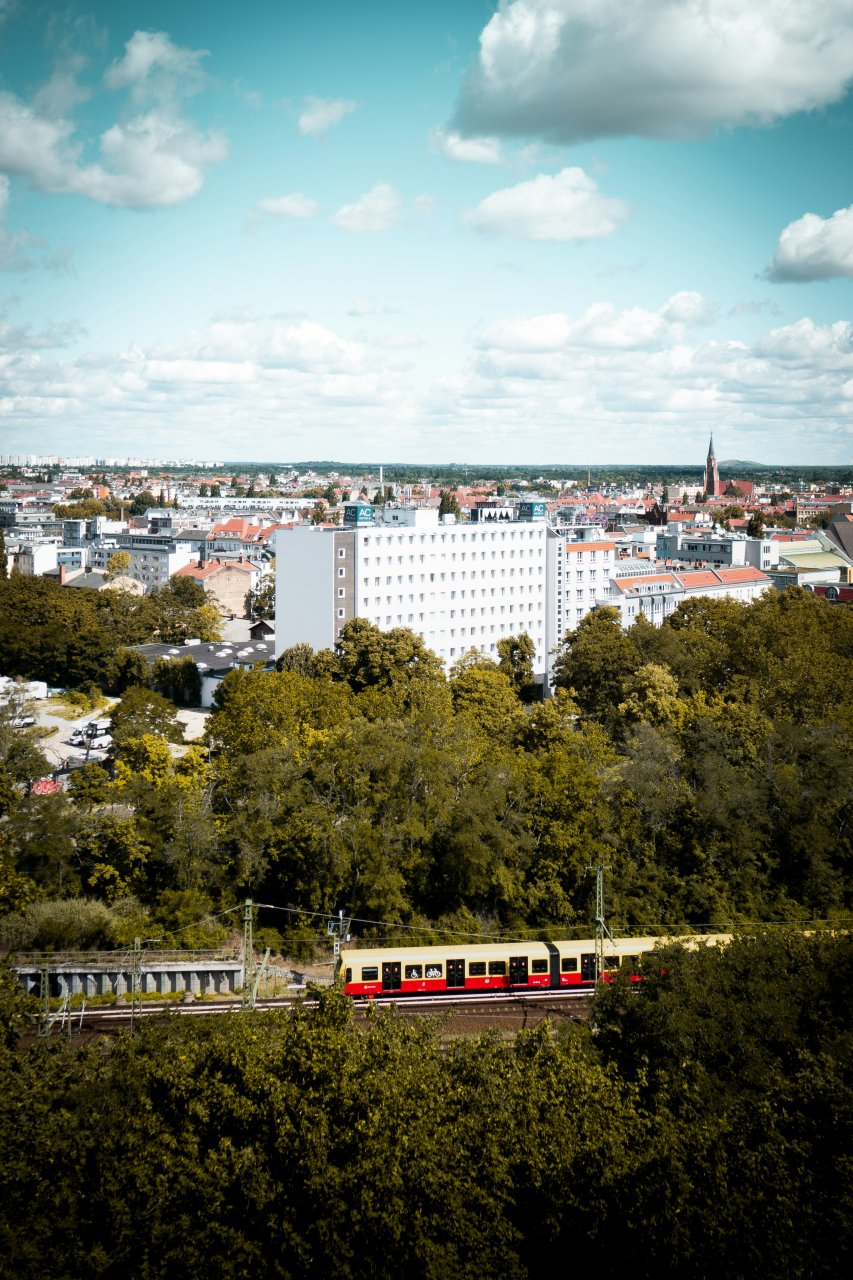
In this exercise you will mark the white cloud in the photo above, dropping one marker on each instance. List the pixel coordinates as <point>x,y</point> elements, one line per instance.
<point>377,210</point>
<point>573,70</point>
<point>475,150</point>
<point>601,326</point>
<point>18,338</point>
<point>605,385</point>
<point>814,248</point>
<point>155,68</point>
<point>274,374</point>
<point>154,158</point>
<point>320,114</point>
<point>295,205</point>
<point>563,206</point>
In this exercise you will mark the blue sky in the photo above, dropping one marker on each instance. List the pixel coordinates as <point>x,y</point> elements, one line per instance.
<point>542,231</point>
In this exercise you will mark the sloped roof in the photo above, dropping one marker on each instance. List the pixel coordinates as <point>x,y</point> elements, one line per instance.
<point>212,568</point>
<point>812,560</point>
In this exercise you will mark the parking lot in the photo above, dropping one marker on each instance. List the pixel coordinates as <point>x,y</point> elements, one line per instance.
<point>58,746</point>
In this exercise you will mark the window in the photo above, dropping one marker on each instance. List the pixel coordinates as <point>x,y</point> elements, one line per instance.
<point>348,976</point>
<point>477,969</point>
<point>612,962</point>
<point>539,966</point>
<point>497,968</point>
<point>434,970</point>
<point>370,973</point>
<point>342,573</point>
<point>341,613</point>
<point>342,552</point>
<point>341,593</point>
<point>414,971</point>
<point>569,964</point>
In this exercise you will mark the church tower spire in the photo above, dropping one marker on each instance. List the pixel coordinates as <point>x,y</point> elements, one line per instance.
<point>712,475</point>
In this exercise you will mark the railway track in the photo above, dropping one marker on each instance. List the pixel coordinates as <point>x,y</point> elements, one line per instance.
<point>497,1007</point>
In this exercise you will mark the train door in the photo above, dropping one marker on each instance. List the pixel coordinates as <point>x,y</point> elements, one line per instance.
<point>455,973</point>
<point>391,975</point>
<point>588,966</point>
<point>518,971</point>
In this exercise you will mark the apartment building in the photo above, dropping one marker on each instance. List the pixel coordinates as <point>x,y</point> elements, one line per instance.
<point>458,586</point>
<point>656,594</point>
<point>716,550</point>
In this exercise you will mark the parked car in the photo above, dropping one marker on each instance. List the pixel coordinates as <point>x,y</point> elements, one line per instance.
<point>23,722</point>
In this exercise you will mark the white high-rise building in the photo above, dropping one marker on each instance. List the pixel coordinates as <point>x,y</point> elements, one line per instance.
<point>458,586</point>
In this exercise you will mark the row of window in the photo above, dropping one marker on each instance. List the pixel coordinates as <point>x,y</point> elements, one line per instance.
<point>460,536</point>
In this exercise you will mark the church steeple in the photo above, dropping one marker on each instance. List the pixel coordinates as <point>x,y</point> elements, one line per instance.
<point>712,475</point>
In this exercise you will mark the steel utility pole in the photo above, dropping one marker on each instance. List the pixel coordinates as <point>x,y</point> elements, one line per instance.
<point>248,955</point>
<point>602,933</point>
<point>338,931</point>
<point>136,983</point>
<point>44,1003</point>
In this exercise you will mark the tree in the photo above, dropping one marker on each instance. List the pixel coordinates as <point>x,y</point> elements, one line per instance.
<point>651,697</point>
<point>4,568</point>
<point>594,660</point>
<point>396,662</point>
<point>186,590</point>
<point>178,679</point>
<point>448,504</point>
<point>664,497</point>
<point>142,502</point>
<point>260,602</point>
<point>128,668</point>
<point>515,659</point>
<point>479,689</point>
<point>118,564</point>
<point>755,526</point>
<point>143,711</point>
<point>298,658</point>
<point>318,514</point>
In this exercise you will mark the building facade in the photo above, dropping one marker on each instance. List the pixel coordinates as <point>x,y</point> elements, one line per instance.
<point>458,586</point>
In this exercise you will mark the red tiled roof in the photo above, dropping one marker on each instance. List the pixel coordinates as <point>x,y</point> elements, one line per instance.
<point>590,546</point>
<point>746,574</point>
<point>202,571</point>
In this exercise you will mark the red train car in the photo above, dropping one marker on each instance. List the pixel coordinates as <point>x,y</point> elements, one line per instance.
<point>488,967</point>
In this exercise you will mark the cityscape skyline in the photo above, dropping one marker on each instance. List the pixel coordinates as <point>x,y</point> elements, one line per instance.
<point>537,233</point>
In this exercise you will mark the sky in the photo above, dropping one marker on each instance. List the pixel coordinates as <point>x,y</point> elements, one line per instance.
<point>539,231</point>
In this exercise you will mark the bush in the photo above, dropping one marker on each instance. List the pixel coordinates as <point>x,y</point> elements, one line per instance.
<point>63,924</point>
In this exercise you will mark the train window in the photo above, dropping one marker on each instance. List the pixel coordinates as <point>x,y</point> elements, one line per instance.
<point>414,971</point>
<point>539,966</point>
<point>348,976</point>
<point>497,968</point>
<point>476,968</point>
<point>612,962</point>
<point>370,973</point>
<point>569,964</point>
<point>434,970</point>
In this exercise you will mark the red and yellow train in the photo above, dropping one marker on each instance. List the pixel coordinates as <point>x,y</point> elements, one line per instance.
<point>493,967</point>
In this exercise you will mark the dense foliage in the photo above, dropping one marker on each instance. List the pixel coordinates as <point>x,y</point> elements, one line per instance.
<point>707,761</point>
<point>70,636</point>
<point>703,1130</point>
